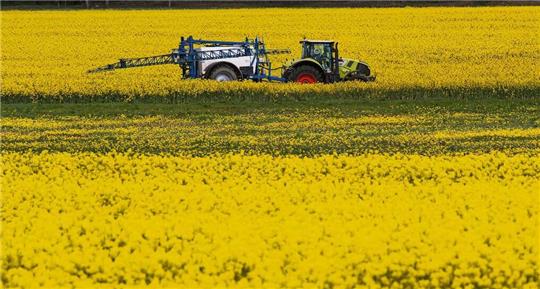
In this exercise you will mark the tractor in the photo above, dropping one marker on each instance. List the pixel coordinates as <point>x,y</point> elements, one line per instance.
<point>320,62</point>
<point>248,59</point>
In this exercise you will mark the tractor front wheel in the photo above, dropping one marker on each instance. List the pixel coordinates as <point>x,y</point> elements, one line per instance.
<point>305,74</point>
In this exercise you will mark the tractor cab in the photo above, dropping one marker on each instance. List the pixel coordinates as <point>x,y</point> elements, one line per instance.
<point>321,51</point>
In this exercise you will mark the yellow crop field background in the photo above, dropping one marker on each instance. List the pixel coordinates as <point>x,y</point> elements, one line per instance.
<point>369,221</point>
<point>480,51</point>
<point>428,177</point>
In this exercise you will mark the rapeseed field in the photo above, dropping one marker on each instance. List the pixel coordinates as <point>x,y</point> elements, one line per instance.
<point>427,178</point>
<point>369,221</point>
<point>415,52</point>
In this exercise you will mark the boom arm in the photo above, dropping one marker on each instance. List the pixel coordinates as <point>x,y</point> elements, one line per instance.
<point>137,62</point>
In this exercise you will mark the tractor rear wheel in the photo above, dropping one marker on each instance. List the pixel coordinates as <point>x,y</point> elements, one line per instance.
<point>306,74</point>
<point>223,73</point>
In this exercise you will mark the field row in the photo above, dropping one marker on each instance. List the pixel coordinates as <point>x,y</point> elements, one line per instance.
<point>353,128</point>
<point>415,52</point>
<point>372,221</point>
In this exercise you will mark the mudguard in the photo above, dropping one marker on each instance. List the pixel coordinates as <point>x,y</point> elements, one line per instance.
<point>289,66</point>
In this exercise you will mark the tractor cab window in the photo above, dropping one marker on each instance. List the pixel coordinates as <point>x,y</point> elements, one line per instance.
<point>321,52</point>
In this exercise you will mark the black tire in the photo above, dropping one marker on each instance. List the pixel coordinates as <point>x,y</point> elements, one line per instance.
<point>304,70</point>
<point>223,73</point>
<point>354,75</point>
<point>363,69</point>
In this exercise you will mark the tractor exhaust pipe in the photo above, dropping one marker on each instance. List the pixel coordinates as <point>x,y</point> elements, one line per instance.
<point>336,63</point>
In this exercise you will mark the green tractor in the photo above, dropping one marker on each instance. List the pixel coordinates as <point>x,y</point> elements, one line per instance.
<point>320,62</point>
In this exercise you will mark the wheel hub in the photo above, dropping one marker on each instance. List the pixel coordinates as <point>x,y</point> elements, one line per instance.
<point>223,77</point>
<point>306,78</point>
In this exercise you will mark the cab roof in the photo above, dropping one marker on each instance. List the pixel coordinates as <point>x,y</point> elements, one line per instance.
<point>316,41</point>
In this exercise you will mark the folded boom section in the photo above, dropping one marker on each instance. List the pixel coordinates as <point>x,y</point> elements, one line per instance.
<point>138,62</point>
